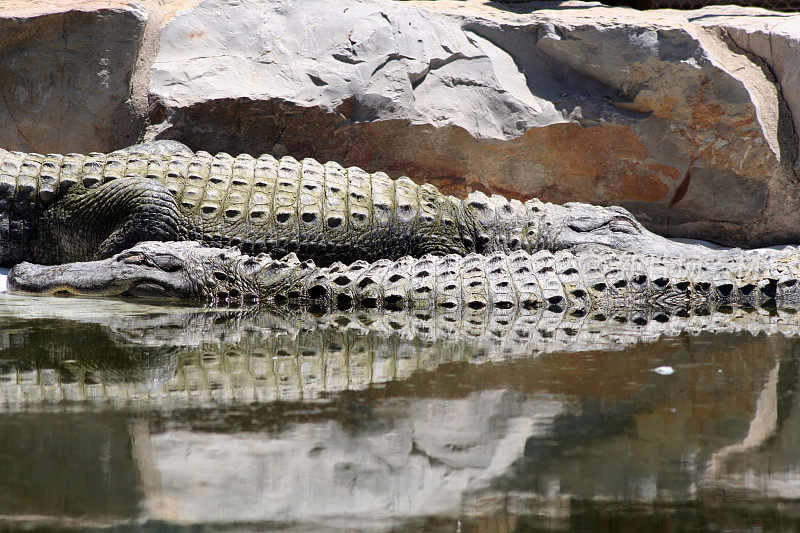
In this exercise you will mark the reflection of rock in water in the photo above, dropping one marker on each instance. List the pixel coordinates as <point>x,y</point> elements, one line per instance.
<point>65,466</point>
<point>143,354</point>
<point>458,447</point>
<point>766,462</point>
<point>642,467</point>
<point>564,420</point>
<point>417,462</point>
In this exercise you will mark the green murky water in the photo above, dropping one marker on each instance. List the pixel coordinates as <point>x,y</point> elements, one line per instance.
<point>115,414</point>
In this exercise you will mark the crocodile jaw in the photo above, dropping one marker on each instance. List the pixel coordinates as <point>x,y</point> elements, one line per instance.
<point>108,277</point>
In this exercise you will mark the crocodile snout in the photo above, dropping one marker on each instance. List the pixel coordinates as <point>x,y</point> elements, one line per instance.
<point>74,278</point>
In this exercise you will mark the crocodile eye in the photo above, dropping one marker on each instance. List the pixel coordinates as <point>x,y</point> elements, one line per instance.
<point>167,262</point>
<point>586,224</point>
<point>133,258</point>
<point>164,262</point>
<point>623,225</point>
<point>617,224</point>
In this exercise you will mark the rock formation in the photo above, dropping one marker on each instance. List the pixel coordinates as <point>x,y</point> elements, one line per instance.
<point>687,118</point>
<point>66,75</point>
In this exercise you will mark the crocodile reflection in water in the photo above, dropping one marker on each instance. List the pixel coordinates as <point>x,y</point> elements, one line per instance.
<point>228,355</point>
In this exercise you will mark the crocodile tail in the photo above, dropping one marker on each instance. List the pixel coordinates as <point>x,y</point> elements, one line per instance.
<point>561,282</point>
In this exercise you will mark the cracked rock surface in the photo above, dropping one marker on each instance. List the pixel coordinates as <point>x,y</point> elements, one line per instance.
<point>771,37</point>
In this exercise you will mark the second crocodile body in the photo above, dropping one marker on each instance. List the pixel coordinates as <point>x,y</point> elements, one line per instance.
<point>62,208</point>
<point>499,281</point>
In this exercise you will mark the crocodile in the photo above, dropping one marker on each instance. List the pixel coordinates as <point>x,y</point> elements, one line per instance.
<point>65,208</point>
<point>579,282</point>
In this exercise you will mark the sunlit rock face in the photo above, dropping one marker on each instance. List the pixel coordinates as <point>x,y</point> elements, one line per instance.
<point>67,75</point>
<point>772,39</point>
<point>667,117</point>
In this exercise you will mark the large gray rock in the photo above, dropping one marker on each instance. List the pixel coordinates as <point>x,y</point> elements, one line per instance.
<point>772,37</point>
<point>66,76</point>
<point>597,104</point>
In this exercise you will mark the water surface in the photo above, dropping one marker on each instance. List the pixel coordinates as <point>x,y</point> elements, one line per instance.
<point>114,413</point>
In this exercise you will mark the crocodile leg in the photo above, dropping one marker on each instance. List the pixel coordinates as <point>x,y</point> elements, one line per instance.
<point>104,219</point>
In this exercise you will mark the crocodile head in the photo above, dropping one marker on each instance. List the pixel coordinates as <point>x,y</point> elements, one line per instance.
<point>182,270</point>
<point>577,227</point>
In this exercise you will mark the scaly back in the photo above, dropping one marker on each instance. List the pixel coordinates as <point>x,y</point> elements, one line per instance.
<point>324,212</point>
